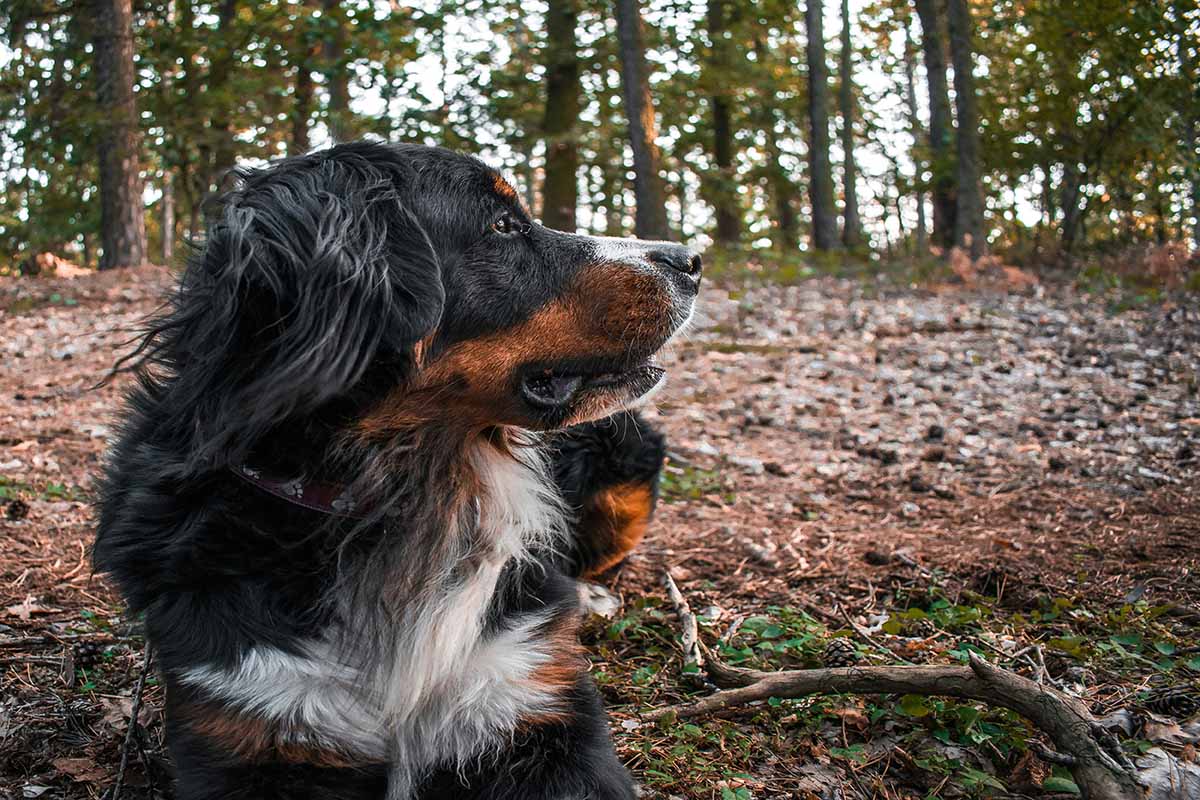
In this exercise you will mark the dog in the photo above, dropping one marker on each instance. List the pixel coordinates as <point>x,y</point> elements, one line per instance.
<point>378,433</point>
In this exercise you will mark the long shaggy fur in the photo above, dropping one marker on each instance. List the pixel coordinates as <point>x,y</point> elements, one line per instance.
<point>358,317</point>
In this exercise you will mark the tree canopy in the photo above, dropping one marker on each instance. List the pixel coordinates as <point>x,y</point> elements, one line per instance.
<point>1085,114</point>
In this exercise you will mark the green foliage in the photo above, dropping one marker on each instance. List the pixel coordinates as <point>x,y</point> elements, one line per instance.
<point>1086,109</point>
<point>685,483</point>
<point>953,747</point>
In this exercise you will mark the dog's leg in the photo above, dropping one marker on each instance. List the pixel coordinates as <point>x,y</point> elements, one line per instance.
<point>564,756</point>
<point>205,769</point>
<point>608,474</point>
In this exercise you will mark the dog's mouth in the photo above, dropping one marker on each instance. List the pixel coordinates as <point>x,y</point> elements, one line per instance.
<point>562,387</point>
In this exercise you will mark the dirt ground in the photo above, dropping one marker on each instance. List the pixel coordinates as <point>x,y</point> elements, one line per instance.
<point>836,448</point>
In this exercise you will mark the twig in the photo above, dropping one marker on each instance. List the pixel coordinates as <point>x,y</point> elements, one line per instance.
<point>133,722</point>
<point>1065,719</point>
<point>872,640</point>
<point>690,633</point>
<point>1051,756</point>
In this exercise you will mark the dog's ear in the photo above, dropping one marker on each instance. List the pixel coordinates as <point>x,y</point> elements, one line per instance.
<point>314,271</point>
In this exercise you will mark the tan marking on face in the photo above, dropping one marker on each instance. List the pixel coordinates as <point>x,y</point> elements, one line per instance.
<point>608,310</point>
<point>617,519</point>
<point>503,188</point>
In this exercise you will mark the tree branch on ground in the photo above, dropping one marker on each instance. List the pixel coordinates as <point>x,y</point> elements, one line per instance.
<point>1099,768</point>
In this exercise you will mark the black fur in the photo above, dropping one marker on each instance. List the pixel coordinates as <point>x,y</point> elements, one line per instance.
<point>293,332</point>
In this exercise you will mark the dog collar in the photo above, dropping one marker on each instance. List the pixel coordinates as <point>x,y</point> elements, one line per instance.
<point>327,498</point>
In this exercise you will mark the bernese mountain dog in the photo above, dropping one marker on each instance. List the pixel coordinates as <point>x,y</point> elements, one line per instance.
<point>378,434</point>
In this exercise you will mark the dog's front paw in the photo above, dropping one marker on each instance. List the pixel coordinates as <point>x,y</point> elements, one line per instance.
<point>595,599</point>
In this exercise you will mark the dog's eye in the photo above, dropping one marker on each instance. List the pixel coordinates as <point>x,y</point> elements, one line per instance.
<point>508,225</point>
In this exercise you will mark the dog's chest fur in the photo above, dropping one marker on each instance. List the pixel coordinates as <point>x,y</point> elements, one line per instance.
<point>446,685</point>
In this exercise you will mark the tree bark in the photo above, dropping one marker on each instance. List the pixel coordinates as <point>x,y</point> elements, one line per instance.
<point>650,215</point>
<point>941,129</point>
<point>1064,719</point>
<point>918,134</point>
<point>168,217</point>
<point>1191,123</point>
<point>824,223</point>
<point>341,122</point>
<point>785,230</point>
<point>851,222</point>
<point>968,219</point>
<point>724,191</point>
<point>560,186</point>
<point>122,216</point>
<point>223,148</point>
<point>302,85</point>
<point>1072,190</point>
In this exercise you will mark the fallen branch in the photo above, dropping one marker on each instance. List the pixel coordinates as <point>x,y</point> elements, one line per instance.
<point>690,634</point>
<point>1076,735</point>
<point>133,722</point>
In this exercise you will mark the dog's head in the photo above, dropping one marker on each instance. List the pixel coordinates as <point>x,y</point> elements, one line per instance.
<point>400,284</point>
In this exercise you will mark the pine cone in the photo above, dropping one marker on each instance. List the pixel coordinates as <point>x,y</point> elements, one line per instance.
<point>922,628</point>
<point>1180,702</point>
<point>87,654</point>
<point>840,653</point>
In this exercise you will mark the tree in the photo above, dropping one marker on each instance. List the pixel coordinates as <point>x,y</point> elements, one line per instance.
<point>851,223</point>
<point>914,122</point>
<point>724,191</point>
<point>941,130</point>
<point>301,53</point>
<point>650,221</point>
<point>1191,122</point>
<point>968,220</point>
<point>560,186</point>
<point>824,223</point>
<point>122,216</point>
<point>337,77</point>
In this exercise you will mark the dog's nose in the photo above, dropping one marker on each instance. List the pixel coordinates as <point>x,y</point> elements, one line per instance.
<point>678,258</point>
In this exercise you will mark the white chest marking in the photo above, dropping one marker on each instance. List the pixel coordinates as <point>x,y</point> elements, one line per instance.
<point>444,691</point>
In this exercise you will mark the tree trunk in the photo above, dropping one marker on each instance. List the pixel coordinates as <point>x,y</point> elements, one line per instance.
<point>122,217</point>
<point>168,217</point>
<point>1191,123</point>
<point>1073,179</point>
<point>724,190</point>
<point>560,186</point>
<point>824,223</point>
<point>968,219</point>
<point>337,78</point>
<point>302,85</point>
<point>168,169</point>
<point>784,233</point>
<point>224,154</point>
<point>650,216</point>
<point>941,129</point>
<point>851,223</point>
<point>918,133</point>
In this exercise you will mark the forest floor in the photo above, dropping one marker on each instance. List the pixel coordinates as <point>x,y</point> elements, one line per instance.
<point>915,473</point>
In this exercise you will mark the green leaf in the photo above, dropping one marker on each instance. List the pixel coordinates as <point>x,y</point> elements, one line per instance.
<point>974,777</point>
<point>855,752</point>
<point>914,705</point>
<point>1055,784</point>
